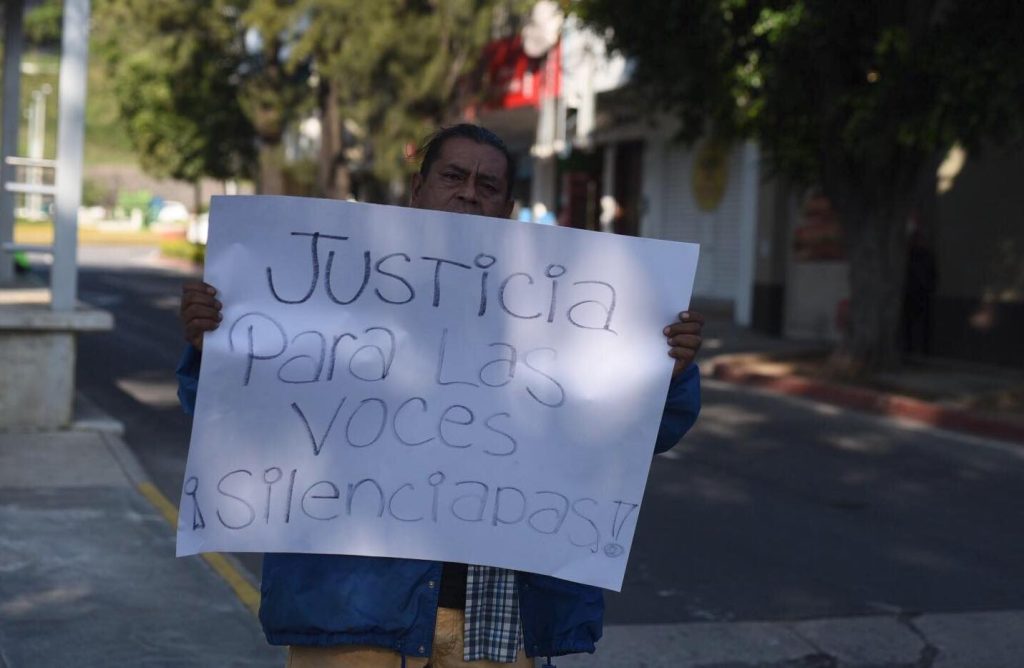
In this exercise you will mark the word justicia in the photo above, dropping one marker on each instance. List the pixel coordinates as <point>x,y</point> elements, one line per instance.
<point>246,498</point>
<point>400,278</point>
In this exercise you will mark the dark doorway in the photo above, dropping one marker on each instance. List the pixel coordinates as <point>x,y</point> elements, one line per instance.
<point>628,187</point>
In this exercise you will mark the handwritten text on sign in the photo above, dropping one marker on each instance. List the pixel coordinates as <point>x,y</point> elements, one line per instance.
<point>408,383</point>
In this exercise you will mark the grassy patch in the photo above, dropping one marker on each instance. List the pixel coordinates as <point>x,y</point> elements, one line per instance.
<point>41,234</point>
<point>182,249</point>
<point>28,232</point>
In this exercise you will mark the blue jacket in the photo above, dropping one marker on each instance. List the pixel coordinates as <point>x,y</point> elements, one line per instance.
<point>316,599</point>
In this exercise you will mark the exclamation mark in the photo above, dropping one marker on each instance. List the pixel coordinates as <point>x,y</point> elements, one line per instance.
<point>614,548</point>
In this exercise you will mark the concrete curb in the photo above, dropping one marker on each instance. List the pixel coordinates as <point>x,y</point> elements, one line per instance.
<point>225,565</point>
<point>87,416</point>
<point>738,369</point>
<point>91,418</point>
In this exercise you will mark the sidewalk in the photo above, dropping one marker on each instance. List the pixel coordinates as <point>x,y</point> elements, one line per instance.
<point>88,575</point>
<point>981,400</point>
<point>969,640</point>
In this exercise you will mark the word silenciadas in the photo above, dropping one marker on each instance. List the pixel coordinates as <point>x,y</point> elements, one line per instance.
<point>246,497</point>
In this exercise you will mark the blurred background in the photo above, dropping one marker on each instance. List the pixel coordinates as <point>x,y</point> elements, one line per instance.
<point>788,139</point>
<point>851,170</point>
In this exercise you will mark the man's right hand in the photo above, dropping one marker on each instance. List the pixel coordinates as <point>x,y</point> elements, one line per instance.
<point>200,311</point>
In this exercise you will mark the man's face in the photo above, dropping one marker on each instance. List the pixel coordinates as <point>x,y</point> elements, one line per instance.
<point>466,177</point>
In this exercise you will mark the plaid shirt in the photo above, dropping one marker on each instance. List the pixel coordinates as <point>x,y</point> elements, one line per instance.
<point>492,630</point>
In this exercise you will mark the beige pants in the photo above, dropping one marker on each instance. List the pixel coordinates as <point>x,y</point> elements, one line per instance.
<point>447,652</point>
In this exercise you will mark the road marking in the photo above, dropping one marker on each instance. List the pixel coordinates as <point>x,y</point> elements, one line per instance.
<point>160,501</point>
<point>245,592</point>
<point>155,393</point>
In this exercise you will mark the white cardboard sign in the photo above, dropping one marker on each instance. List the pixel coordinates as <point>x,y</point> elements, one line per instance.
<point>407,383</point>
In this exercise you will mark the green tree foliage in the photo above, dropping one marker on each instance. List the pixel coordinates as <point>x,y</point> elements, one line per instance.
<point>862,98</point>
<point>174,68</point>
<point>273,88</point>
<point>393,69</point>
<point>198,81</point>
<point>42,24</point>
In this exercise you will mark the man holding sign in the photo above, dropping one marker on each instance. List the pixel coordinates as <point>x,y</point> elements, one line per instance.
<point>349,610</point>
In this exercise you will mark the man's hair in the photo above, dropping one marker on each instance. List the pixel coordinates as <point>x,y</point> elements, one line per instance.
<point>431,148</point>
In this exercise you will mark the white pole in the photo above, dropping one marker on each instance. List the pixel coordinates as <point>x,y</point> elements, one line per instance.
<point>70,140</point>
<point>36,147</point>
<point>13,42</point>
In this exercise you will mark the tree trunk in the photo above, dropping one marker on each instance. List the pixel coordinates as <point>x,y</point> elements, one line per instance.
<point>877,250</point>
<point>332,171</point>
<point>874,198</point>
<point>342,182</point>
<point>197,197</point>
<point>271,174</point>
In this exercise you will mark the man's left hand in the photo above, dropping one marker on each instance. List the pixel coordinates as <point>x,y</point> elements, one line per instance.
<point>684,339</point>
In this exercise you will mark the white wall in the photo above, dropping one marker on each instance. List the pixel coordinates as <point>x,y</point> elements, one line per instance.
<point>725,269</point>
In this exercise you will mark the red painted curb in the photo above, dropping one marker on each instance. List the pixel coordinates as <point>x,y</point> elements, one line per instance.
<point>873,401</point>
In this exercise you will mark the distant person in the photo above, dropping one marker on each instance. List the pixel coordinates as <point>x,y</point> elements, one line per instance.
<point>375,612</point>
<point>918,295</point>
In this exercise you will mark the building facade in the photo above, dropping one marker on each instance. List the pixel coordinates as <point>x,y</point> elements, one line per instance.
<point>592,156</point>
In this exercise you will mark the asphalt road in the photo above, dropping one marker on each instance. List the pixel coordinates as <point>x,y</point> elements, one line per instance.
<point>771,508</point>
